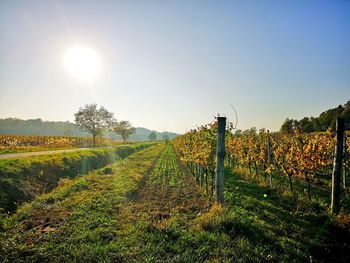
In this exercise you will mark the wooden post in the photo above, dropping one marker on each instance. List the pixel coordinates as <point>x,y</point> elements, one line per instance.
<point>220,158</point>
<point>269,154</point>
<point>344,158</point>
<point>200,173</point>
<point>336,175</point>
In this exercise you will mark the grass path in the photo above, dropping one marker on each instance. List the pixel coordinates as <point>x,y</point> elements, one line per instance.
<point>132,214</point>
<point>161,212</point>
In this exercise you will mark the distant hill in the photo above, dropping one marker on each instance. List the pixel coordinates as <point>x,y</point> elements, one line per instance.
<point>326,120</point>
<point>59,128</point>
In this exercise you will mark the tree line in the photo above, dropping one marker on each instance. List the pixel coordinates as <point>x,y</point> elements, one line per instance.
<point>325,121</point>
<point>96,121</point>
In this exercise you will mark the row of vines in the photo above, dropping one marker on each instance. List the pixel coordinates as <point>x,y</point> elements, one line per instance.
<point>13,143</point>
<point>304,156</point>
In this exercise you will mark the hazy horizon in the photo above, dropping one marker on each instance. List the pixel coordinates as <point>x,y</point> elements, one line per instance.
<point>162,131</point>
<point>170,66</point>
<point>72,122</point>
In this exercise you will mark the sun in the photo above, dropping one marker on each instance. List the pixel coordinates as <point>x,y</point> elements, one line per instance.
<point>82,62</point>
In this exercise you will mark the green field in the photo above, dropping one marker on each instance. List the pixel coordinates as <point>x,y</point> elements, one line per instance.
<point>148,208</point>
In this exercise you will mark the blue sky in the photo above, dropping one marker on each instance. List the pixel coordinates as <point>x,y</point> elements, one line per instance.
<point>172,65</point>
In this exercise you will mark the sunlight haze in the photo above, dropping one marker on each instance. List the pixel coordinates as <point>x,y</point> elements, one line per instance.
<point>82,62</point>
<point>172,65</point>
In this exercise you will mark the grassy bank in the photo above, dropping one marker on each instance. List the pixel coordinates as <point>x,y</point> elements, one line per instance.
<point>77,221</point>
<point>24,178</point>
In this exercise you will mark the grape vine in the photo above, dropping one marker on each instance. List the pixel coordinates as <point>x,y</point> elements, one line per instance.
<point>304,156</point>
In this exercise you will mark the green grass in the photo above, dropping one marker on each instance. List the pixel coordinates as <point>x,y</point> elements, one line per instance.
<point>34,149</point>
<point>281,227</point>
<point>147,208</point>
<point>25,149</point>
<point>77,220</point>
<point>24,178</point>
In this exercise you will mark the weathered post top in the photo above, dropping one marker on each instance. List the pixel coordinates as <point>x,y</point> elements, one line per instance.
<point>221,124</point>
<point>221,132</point>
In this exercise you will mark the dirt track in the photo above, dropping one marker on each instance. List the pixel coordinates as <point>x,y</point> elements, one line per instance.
<point>29,154</point>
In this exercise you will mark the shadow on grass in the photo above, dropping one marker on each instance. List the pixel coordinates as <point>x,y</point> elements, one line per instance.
<point>267,219</point>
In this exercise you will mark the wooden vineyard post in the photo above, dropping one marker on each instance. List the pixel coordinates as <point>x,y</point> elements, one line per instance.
<point>269,155</point>
<point>344,158</point>
<point>220,158</point>
<point>337,166</point>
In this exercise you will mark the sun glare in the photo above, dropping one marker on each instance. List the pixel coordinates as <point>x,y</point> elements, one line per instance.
<point>82,62</point>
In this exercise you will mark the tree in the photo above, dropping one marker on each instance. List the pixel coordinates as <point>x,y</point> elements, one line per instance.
<point>325,121</point>
<point>290,125</point>
<point>93,120</point>
<point>124,129</point>
<point>287,126</point>
<point>315,124</point>
<point>346,112</point>
<point>306,125</point>
<point>166,138</point>
<point>152,136</point>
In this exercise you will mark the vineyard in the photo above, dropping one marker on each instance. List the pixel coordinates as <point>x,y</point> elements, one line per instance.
<point>154,202</point>
<point>174,131</point>
<point>300,157</point>
<point>144,206</point>
<point>15,143</point>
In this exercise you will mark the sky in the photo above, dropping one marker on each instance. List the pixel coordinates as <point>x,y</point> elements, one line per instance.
<point>174,65</point>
